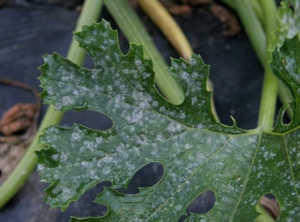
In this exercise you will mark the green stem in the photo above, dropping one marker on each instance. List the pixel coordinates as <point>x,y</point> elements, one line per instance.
<point>268,100</point>
<point>90,12</point>
<point>269,92</point>
<point>255,5</point>
<point>259,43</point>
<point>269,10</point>
<point>259,38</point>
<point>135,31</point>
<point>258,11</point>
<point>253,28</point>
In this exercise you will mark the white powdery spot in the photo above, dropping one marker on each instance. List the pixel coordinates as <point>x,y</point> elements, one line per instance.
<point>89,145</point>
<point>75,137</point>
<point>107,159</point>
<point>67,100</point>
<point>55,157</point>
<point>50,90</point>
<point>182,115</point>
<point>66,194</point>
<point>188,146</point>
<point>99,140</point>
<point>185,76</point>
<point>160,137</point>
<point>144,105</point>
<point>86,164</point>
<point>174,128</point>
<point>194,100</point>
<point>63,159</point>
<point>137,62</point>
<point>106,170</point>
<point>40,167</point>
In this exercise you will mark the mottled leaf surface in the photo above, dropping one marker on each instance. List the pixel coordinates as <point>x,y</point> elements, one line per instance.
<point>197,152</point>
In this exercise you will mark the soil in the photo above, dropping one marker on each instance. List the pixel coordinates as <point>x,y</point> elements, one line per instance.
<point>33,28</point>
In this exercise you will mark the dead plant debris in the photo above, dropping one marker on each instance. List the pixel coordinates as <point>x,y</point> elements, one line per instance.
<point>18,126</point>
<point>225,16</point>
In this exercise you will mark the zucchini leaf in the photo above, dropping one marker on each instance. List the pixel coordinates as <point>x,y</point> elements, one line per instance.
<point>197,152</point>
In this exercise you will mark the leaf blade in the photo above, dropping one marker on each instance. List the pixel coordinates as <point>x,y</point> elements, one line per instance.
<point>186,139</point>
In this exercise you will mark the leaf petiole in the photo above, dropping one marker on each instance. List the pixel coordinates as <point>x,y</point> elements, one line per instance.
<point>135,32</point>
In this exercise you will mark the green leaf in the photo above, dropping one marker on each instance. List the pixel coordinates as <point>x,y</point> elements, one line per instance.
<point>288,22</point>
<point>285,66</point>
<point>197,152</point>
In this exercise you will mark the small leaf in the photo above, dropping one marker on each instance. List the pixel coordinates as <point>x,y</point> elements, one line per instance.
<point>197,152</point>
<point>288,22</point>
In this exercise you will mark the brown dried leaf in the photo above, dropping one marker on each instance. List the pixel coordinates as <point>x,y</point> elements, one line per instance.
<point>175,9</point>
<point>227,18</point>
<point>18,118</point>
<point>21,117</point>
<point>18,126</point>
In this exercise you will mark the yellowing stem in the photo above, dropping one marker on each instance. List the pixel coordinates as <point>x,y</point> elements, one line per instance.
<point>168,26</point>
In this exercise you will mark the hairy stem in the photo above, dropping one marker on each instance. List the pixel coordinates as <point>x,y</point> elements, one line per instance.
<point>90,12</point>
<point>135,31</point>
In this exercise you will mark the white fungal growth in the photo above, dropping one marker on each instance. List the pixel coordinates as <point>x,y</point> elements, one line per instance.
<point>67,100</point>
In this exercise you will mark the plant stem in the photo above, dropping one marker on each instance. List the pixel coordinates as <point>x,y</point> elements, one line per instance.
<point>134,30</point>
<point>166,23</point>
<point>268,100</point>
<point>159,15</point>
<point>269,10</point>
<point>258,42</point>
<point>269,92</point>
<point>255,5</point>
<point>253,28</point>
<point>259,38</point>
<point>90,12</point>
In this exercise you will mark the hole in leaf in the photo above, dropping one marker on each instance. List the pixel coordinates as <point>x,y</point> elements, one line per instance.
<point>147,176</point>
<point>285,118</point>
<point>200,205</point>
<point>284,113</point>
<point>87,118</point>
<point>85,205</point>
<point>268,207</point>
